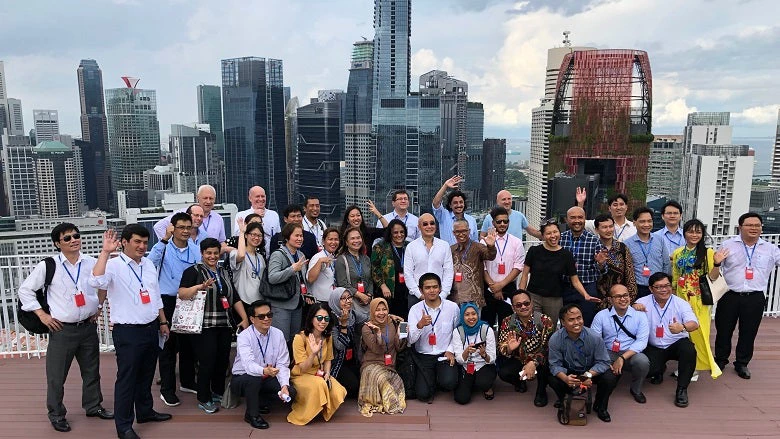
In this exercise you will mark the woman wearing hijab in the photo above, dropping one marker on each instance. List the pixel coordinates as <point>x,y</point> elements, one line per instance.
<point>381,388</point>
<point>345,366</point>
<point>474,346</point>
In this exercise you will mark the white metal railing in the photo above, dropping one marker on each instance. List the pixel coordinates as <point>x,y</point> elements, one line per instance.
<point>15,340</point>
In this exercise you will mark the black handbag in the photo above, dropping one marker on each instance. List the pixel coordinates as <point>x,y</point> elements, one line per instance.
<point>28,319</point>
<point>285,290</point>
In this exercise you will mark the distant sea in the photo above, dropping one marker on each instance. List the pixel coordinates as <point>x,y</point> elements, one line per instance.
<point>762,145</point>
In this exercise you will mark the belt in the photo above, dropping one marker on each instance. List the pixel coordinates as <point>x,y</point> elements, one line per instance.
<point>82,322</point>
<point>138,325</point>
<point>746,293</point>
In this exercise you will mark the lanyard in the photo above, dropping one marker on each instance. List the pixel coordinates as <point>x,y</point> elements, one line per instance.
<point>398,255</point>
<point>622,322</point>
<point>255,266</point>
<point>267,340</point>
<point>215,275</point>
<point>642,247</point>
<point>406,217</point>
<point>661,316</point>
<point>314,229</point>
<point>78,273</point>
<point>206,223</point>
<point>750,255</point>
<point>502,250</point>
<point>519,324</point>
<point>433,323</point>
<point>386,338</point>
<point>465,253</point>
<point>358,265</point>
<point>622,229</point>
<point>467,341</point>
<point>676,243</point>
<point>134,273</point>
<point>186,259</point>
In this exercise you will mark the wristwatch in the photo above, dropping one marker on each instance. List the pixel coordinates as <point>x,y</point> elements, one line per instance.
<point>588,375</point>
<point>165,323</point>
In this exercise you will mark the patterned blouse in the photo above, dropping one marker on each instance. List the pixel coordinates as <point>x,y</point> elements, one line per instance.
<point>469,260</point>
<point>682,266</point>
<point>534,337</point>
<point>383,263</point>
<point>620,270</point>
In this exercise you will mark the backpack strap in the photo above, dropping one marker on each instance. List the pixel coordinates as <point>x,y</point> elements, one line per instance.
<point>462,334</point>
<point>51,267</point>
<point>483,330</point>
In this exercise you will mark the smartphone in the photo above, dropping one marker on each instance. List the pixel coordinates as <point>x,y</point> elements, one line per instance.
<point>310,297</point>
<point>404,327</point>
<point>479,345</point>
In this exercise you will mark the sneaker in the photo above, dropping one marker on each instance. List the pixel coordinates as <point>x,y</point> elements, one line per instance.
<point>695,376</point>
<point>171,400</point>
<point>216,399</point>
<point>208,407</point>
<point>188,390</point>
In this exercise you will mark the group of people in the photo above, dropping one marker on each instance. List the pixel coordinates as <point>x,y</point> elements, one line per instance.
<point>397,310</point>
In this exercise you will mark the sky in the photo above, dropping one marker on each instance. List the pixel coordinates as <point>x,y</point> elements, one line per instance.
<point>705,55</point>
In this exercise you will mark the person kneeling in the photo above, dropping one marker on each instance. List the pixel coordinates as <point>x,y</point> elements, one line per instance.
<point>474,346</point>
<point>578,359</point>
<point>261,372</point>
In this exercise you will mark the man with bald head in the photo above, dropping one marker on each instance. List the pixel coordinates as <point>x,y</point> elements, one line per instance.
<point>584,246</point>
<point>212,226</point>
<point>517,221</point>
<point>271,225</point>
<point>427,254</point>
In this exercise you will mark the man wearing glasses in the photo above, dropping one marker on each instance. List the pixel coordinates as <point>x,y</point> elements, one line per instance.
<point>72,321</point>
<point>401,212</point>
<point>749,263</point>
<point>670,319</point>
<point>625,332</point>
<point>671,234</point>
<point>501,273</point>
<point>468,259</point>
<point>427,254</point>
<point>173,254</point>
<point>260,371</point>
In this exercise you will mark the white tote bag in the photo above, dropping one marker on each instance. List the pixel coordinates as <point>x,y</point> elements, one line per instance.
<point>188,315</point>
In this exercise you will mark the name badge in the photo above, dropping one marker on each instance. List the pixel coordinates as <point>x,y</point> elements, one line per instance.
<point>432,339</point>
<point>225,303</point>
<point>616,344</point>
<point>681,281</point>
<point>388,360</point>
<point>502,268</point>
<point>401,278</point>
<point>303,288</point>
<point>645,271</point>
<point>254,275</point>
<point>348,354</point>
<point>470,368</point>
<point>659,331</point>
<point>80,300</point>
<point>360,287</point>
<point>145,299</point>
<point>749,273</point>
<point>458,276</point>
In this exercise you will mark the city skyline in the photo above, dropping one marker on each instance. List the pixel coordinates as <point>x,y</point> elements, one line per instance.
<point>500,50</point>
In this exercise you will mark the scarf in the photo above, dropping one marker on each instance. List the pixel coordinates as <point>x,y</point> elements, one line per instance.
<point>335,306</point>
<point>470,330</point>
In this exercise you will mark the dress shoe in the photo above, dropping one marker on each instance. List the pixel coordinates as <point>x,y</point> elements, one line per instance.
<point>264,410</point>
<point>558,404</point>
<point>129,434</point>
<point>256,422</point>
<point>681,397</point>
<point>639,397</point>
<point>156,417</point>
<point>742,371</point>
<point>657,378</point>
<point>721,364</point>
<point>541,399</point>
<point>61,425</point>
<point>603,414</point>
<point>521,387</point>
<point>102,414</point>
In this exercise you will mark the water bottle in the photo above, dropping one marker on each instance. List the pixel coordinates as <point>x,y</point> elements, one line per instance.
<point>284,396</point>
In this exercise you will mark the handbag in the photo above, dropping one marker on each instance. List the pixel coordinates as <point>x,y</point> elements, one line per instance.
<point>718,287</point>
<point>188,314</point>
<point>287,289</point>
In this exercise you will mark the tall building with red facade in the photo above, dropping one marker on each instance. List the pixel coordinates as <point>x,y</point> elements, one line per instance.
<point>602,120</point>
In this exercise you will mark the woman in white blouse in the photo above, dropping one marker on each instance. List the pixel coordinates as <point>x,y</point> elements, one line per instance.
<point>474,345</point>
<point>322,272</point>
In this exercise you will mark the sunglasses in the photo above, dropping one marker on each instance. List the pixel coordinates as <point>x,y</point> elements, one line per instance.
<point>264,316</point>
<point>519,305</point>
<point>321,318</point>
<point>506,221</point>
<point>67,238</point>
<point>428,223</point>
<point>550,221</point>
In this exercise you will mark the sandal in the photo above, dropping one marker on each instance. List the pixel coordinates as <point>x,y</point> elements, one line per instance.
<point>489,396</point>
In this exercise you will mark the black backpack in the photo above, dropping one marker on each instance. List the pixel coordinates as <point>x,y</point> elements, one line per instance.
<point>28,319</point>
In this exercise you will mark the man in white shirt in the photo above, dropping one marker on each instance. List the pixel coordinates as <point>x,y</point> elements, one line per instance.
<point>311,219</point>
<point>431,323</point>
<point>501,273</point>
<point>401,211</point>
<point>212,226</point>
<point>427,254</point>
<point>139,324</point>
<point>271,225</point>
<point>516,218</point>
<point>73,310</point>
<point>261,372</point>
<point>618,207</point>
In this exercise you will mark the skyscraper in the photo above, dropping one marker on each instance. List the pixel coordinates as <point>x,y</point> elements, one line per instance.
<point>3,97</point>
<point>94,131</point>
<point>59,179</point>
<point>133,134</point>
<point>475,136</point>
<point>253,106</point>
<point>453,96</point>
<point>320,150</point>
<point>14,117</point>
<point>359,146</point>
<point>493,167</point>
<point>210,112</point>
<point>20,180</point>
<point>775,182</point>
<point>47,125</point>
<point>664,166</point>
<point>195,158</point>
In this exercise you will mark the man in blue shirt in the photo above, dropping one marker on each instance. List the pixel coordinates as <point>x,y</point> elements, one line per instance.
<point>671,234</point>
<point>173,254</point>
<point>578,358</point>
<point>517,221</point>
<point>648,251</point>
<point>670,319</point>
<point>624,331</point>
<point>454,209</point>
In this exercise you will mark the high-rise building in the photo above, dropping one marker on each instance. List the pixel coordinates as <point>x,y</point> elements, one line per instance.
<point>359,146</point>
<point>6,197</point>
<point>20,180</point>
<point>14,117</point>
<point>253,110</point>
<point>47,125</point>
<point>602,120</point>
<point>94,131</point>
<point>775,182</point>
<point>475,136</point>
<point>210,112</point>
<point>664,166</point>
<point>541,128</point>
<point>3,92</point>
<point>59,179</point>
<point>195,159</point>
<point>291,147</point>
<point>453,96</point>
<point>493,167</point>
<point>133,134</point>
<point>392,49</point>
<point>319,154</point>
<point>707,128</point>
<point>3,97</point>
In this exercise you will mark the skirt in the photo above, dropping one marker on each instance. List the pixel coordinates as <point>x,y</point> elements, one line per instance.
<point>381,391</point>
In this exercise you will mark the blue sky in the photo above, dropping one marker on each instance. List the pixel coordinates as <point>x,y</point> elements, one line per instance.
<point>706,55</point>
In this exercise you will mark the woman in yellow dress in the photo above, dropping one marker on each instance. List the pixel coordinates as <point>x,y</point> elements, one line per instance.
<point>690,263</point>
<point>313,353</point>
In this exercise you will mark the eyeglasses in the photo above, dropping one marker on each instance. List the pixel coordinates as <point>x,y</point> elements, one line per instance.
<point>520,305</point>
<point>620,296</point>
<point>752,225</point>
<point>347,299</point>
<point>67,238</point>
<point>506,221</point>
<point>264,316</point>
<point>183,227</point>
<point>398,232</point>
<point>321,318</point>
<point>428,223</point>
<point>255,235</point>
<point>461,232</point>
<point>662,287</point>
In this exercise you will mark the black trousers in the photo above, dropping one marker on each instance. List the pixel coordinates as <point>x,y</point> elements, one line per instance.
<point>642,291</point>
<point>176,344</point>
<point>509,371</point>
<point>683,351</point>
<point>212,349</point>
<point>483,380</point>
<point>349,377</point>
<point>432,373</point>
<point>747,309</point>
<point>497,309</point>
<point>137,348</point>
<point>79,342</point>
<point>258,391</point>
<point>605,384</point>
<point>589,309</point>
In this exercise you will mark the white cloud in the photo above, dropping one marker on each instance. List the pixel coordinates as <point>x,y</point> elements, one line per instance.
<point>763,115</point>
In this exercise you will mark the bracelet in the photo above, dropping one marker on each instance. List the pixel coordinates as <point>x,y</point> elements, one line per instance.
<point>622,357</point>
<point>164,241</point>
<point>716,265</point>
<point>164,323</point>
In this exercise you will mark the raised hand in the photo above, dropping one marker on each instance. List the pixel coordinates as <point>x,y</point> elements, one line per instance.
<point>512,341</point>
<point>110,243</point>
<point>314,344</point>
<point>297,266</point>
<point>720,255</point>
<point>453,182</point>
<point>373,208</point>
<point>169,231</point>
<point>490,238</point>
<point>241,225</point>
<point>581,195</point>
